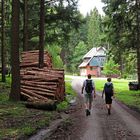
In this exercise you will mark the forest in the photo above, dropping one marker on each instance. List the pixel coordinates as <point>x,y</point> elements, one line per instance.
<point>59,27</point>
<point>42,44</point>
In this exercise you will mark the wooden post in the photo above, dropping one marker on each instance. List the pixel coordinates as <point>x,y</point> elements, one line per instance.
<point>41,35</point>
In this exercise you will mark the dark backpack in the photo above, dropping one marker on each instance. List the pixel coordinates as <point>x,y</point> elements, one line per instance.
<point>89,86</point>
<point>108,89</point>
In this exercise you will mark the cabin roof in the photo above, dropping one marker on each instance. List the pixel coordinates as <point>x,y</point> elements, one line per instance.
<point>95,52</point>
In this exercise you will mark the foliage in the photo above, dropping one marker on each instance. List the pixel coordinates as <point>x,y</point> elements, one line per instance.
<point>55,51</point>
<point>110,68</point>
<point>22,121</point>
<point>129,67</point>
<point>76,36</point>
<point>60,17</point>
<point>27,130</point>
<point>69,89</point>
<point>94,29</point>
<point>62,106</point>
<point>79,52</point>
<point>70,94</point>
<point>123,29</point>
<point>90,34</point>
<point>16,120</point>
<point>130,98</point>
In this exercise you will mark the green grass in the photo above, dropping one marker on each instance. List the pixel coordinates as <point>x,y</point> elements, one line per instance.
<point>62,106</point>
<point>8,81</point>
<point>13,132</point>
<point>27,130</point>
<point>122,92</point>
<point>15,119</point>
<point>70,94</point>
<point>119,85</point>
<point>69,90</point>
<point>12,111</point>
<point>99,84</point>
<point>22,121</point>
<point>67,79</point>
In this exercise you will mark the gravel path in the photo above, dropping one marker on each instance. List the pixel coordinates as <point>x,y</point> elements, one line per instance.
<point>122,124</point>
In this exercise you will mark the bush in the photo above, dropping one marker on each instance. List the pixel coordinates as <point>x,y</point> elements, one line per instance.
<point>62,106</point>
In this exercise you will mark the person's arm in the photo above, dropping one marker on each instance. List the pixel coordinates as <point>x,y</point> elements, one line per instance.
<point>83,87</point>
<point>113,91</point>
<point>103,92</point>
<point>94,91</point>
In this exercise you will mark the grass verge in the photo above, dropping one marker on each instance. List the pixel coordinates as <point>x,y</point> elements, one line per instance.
<point>122,92</point>
<point>16,120</point>
<point>70,94</point>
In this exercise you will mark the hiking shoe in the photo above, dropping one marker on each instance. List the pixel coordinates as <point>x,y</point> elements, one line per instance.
<point>90,112</point>
<point>87,112</point>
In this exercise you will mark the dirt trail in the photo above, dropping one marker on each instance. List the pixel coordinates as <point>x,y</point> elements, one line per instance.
<point>120,125</point>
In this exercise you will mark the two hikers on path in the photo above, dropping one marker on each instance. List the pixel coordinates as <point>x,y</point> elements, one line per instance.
<point>88,89</point>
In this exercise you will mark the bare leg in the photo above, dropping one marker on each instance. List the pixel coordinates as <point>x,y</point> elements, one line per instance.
<point>108,108</point>
<point>90,102</point>
<point>86,105</point>
<point>107,105</point>
<point>90,105</point>
<point>87,109</point>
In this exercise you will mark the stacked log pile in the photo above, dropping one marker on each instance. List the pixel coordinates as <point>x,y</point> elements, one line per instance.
<point>40,85</point>
<point>31,58</point>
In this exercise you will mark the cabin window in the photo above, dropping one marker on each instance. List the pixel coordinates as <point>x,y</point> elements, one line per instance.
<point>92,68</point>
<point>83,70</point>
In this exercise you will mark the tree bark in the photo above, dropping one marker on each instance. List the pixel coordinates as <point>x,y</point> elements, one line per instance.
<point>25,26</point>
<point>138,65</point>
<point>138,40</point>
<point>41,35</point>
<point>3,43</point>
<point>15,69</point>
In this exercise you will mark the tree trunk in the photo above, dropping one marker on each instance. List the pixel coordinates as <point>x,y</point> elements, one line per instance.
<point>3,43</point>
<point>138,39</point>
<point>25,27</point>
<point>138,65</point>
<point>41,35</point>
<point>15,69</point>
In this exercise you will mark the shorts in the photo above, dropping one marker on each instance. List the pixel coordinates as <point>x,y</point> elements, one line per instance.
<point>108,100</point>
<point>88,98</point>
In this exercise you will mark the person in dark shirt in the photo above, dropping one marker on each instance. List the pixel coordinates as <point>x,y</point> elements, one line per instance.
<point>109,94</point>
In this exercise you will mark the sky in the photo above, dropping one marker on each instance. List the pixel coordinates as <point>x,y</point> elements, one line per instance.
<point>86,5</point>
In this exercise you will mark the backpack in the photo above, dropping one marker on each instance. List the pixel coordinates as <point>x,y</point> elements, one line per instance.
<point>89,86</point>
<point>108,89</point>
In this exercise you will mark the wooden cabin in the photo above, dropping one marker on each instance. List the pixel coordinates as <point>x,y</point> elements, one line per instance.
<point>93,62</point>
